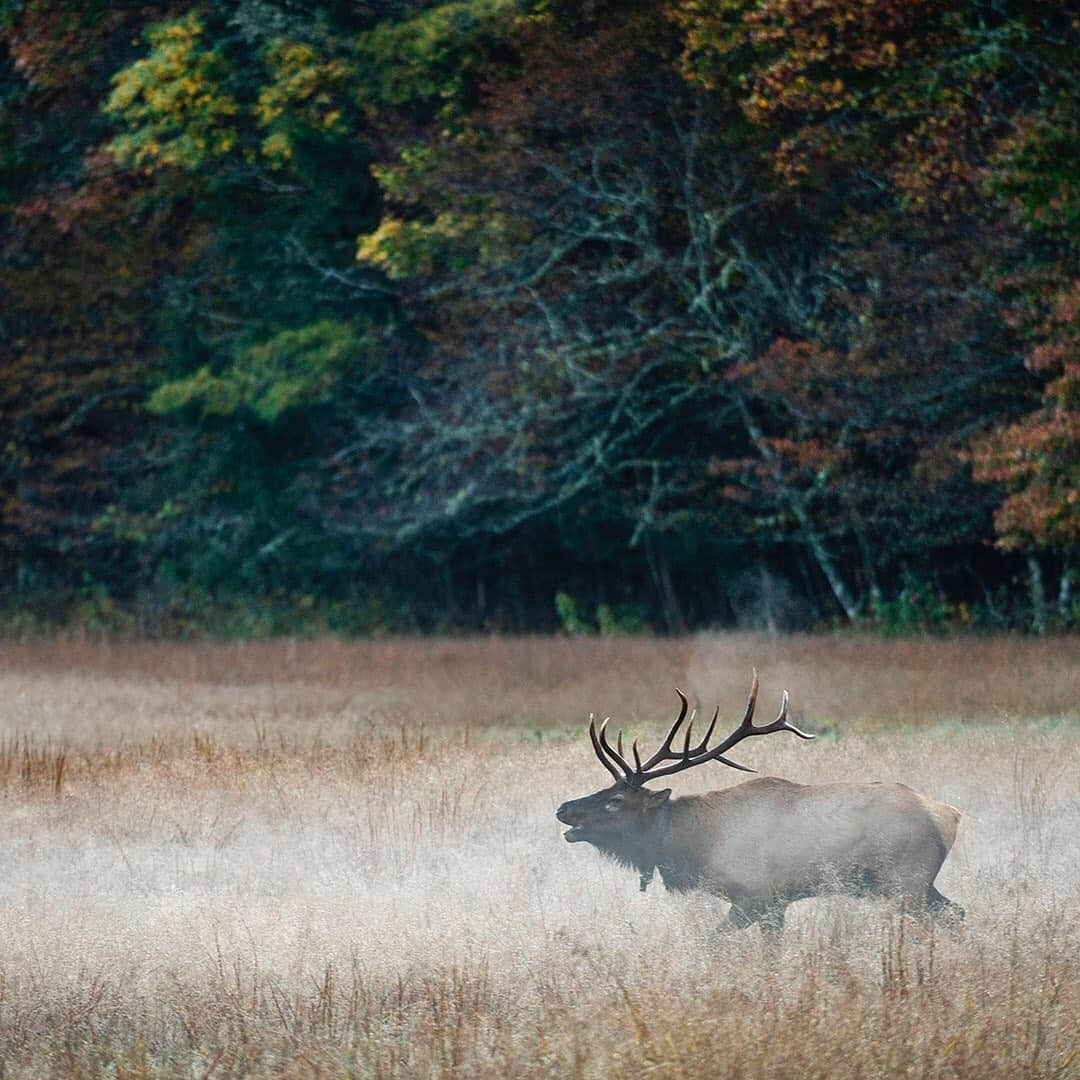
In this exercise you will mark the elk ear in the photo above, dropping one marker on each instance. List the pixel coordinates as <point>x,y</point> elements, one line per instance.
<point>658,798</point>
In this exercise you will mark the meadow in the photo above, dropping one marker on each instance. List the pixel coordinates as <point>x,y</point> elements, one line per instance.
<point>341,859</point>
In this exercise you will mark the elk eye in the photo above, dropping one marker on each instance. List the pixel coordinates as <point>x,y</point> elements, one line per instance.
<point>614,804</point>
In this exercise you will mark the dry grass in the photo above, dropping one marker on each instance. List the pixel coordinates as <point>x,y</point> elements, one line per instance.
<point>341,859</point>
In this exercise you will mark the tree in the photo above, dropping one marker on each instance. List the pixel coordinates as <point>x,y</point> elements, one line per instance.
<point>459,307</point>
<point>74,342</point>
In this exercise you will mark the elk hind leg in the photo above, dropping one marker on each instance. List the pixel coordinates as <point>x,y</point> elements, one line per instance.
<point>942,908</point>
<point>770,917</point>
<point>916,889</point>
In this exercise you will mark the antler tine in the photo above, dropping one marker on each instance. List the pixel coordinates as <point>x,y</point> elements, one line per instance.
<point>599,752</point>
<point>748,728</point>
<point>613,753</point>
<point>618,742</point>
<point>751,704</point>
<point>688,756</point>
<point>689,731</point>
<point>665,746</point>
<point>746,725</point>
<point>781,723</point>
<point>682,763</point>
<point>704,744</point>
<point>701,753</point>
<point>708,734</point>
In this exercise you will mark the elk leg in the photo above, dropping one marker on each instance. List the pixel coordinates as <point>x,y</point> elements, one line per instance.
<point>770,918</point>
<point>772,930</point>
<point>742,917</point>
<point>942,908</point>
<point>932,905</point>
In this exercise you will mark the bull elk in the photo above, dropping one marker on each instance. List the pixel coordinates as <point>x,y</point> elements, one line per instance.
<point>764,843</point>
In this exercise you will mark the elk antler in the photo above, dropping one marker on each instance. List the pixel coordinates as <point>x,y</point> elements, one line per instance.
<point>688,756</point>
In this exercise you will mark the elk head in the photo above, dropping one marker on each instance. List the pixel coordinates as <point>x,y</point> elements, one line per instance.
<point>622,820</point>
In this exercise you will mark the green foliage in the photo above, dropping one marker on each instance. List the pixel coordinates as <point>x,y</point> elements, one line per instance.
<point>434,57</point>
<point>406,249</point>
<point>918,608</point>
<point>612,620</point>
<point>570,619</point>
<point>1040,171</point>
<point>303,99</point>
<point>621,620</point>
<point>9,11</point>
<point>173,102</point>
<point>295,369</point>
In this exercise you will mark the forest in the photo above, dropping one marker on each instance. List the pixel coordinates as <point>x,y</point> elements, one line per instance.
<point>607,316</point>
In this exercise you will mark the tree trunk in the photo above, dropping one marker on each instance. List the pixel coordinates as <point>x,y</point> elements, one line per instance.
<point>824,559</point>
<point>1037,592</point>
<point>811,587</point>
<point>661,575</point>
<point>767,609</point>
<point>867,554</point>
<point>1065,593</point>
<point>481,599</point>
<point>796,500</point>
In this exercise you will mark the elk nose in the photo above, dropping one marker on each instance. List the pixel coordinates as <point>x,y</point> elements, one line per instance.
<point>561,814</point>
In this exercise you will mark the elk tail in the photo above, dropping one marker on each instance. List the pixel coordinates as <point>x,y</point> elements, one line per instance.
<point>948,822</point>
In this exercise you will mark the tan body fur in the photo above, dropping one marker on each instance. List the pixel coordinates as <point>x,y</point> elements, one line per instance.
<point>767,842</point>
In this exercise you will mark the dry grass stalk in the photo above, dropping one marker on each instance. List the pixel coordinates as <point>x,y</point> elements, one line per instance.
<point>330,859</point>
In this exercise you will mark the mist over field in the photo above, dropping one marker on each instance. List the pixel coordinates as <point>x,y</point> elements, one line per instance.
<point>342,859</point>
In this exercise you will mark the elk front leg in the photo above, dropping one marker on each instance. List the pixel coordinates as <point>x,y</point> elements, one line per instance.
<point>770,917</point>
<point>742,915</point>
<point>772,929</point>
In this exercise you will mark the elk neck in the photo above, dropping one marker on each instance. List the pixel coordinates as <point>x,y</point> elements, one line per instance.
<point>673,857</point>
<point>640,849</point>
<point>669,844</point>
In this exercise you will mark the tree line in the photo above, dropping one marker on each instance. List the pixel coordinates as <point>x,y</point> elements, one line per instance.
<point>513,314</point>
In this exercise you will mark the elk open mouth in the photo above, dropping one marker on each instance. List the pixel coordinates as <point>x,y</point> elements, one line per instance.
<point>576,831</point>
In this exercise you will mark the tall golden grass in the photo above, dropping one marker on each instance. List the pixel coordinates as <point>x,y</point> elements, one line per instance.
<point>322,858</point>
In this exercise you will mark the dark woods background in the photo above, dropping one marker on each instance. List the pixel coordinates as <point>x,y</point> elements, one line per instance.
<point>491,314</point>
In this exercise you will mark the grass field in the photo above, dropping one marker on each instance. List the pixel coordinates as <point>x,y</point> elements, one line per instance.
<point>341,859</point>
